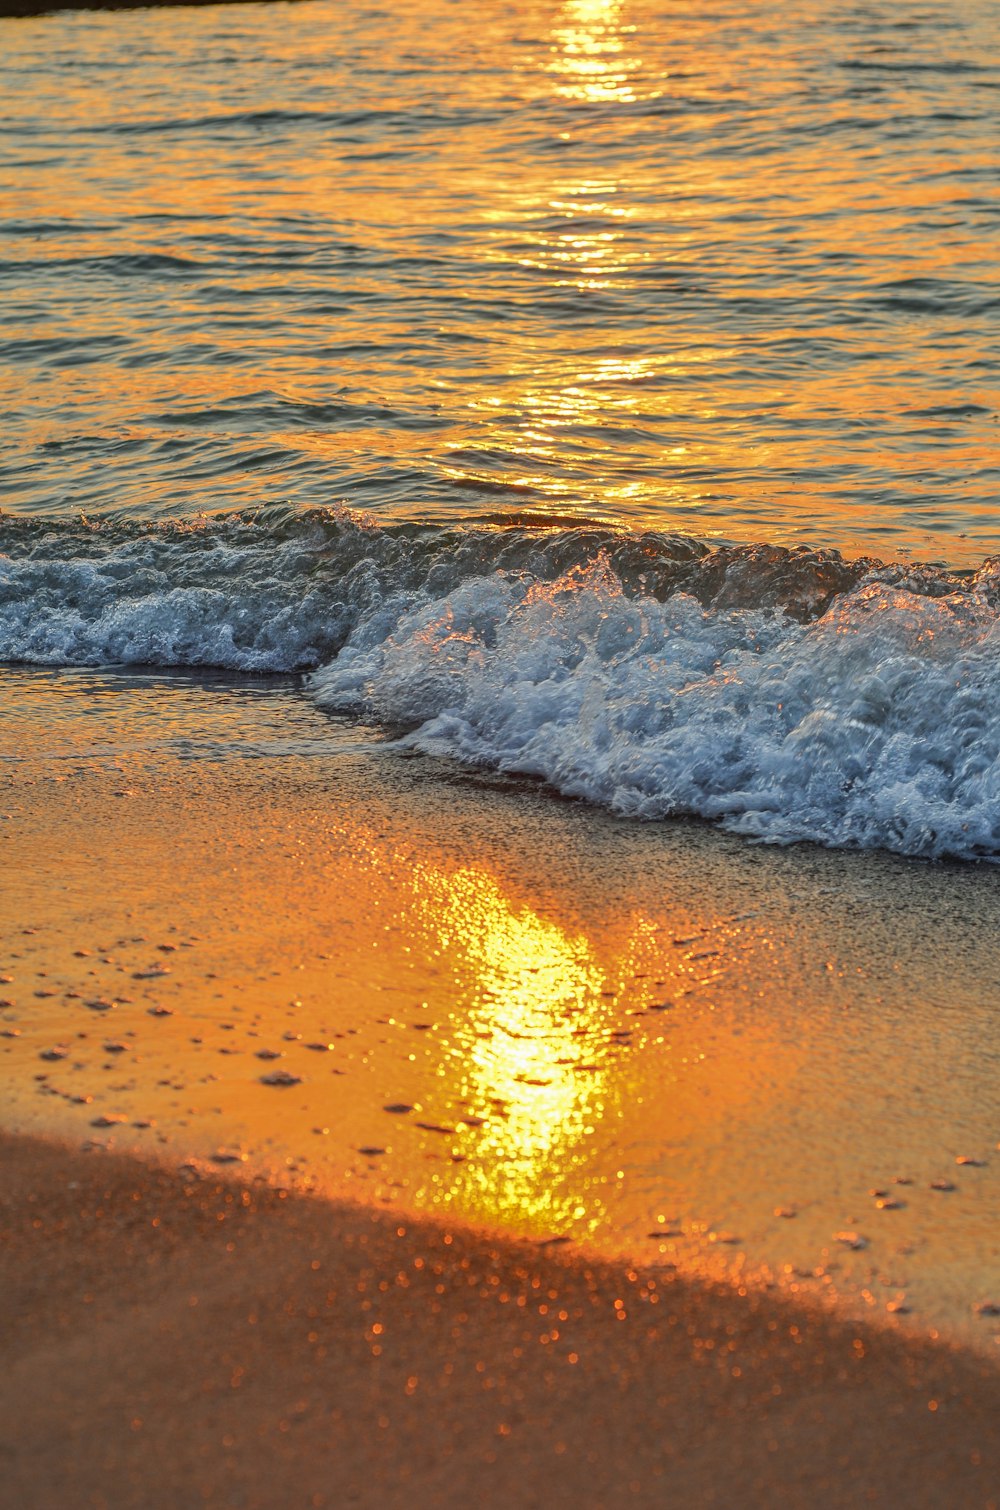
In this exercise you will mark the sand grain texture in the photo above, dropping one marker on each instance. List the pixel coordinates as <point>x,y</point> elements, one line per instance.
<point>171,1342</point>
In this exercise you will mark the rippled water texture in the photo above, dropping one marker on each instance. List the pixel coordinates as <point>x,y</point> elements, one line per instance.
<point>729,271</point>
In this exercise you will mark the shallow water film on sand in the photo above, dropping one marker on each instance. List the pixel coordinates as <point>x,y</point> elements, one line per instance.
<point>248,938</point>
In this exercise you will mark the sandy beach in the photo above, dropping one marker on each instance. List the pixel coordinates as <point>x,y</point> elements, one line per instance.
<point>245,934</point>
<point>192,919</point>
<point>174,1342</point>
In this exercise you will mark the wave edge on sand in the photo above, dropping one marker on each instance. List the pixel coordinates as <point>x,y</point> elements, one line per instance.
<point>785,693</point>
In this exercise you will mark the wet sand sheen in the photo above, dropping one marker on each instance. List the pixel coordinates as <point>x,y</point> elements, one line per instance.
<point>175,1342</point>
<point>376,979</point>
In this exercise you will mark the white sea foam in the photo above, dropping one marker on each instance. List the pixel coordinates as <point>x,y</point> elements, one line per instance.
<point>226,599</point>
<point>785,694</point>
<point>877,725</point>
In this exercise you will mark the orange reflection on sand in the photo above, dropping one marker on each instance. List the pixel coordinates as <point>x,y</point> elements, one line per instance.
<point>523,1051</point>
<point>568,1031</point>
<point>526,1053</point>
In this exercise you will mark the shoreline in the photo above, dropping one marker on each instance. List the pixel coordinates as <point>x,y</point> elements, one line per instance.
<point>175,1339</point>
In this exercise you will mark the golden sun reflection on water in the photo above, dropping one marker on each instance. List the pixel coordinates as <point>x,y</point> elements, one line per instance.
<point>449,228</point>
<point>588,52</point>
<point>548,425</point>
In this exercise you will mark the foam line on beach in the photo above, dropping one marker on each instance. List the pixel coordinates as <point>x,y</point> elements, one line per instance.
<point>787,694</point>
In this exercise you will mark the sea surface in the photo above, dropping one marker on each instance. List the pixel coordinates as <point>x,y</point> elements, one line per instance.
<point>604,392</point>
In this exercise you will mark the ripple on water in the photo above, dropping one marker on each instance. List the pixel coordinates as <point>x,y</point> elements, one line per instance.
<point>730,273</point>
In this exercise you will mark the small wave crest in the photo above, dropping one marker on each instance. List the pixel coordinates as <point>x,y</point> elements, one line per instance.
<point>786,694</point>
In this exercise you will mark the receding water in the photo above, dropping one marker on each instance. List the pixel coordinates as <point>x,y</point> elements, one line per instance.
<point>727,271</point>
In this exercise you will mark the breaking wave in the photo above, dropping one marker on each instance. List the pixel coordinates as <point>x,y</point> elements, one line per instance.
<point>786,694</point>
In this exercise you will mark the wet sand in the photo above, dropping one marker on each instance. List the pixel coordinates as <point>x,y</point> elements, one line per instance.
<point>519,1040</point>
<point>777,1068</point>
<point>172,1342</point>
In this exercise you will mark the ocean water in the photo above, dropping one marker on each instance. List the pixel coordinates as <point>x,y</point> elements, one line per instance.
<point>603,391</point>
